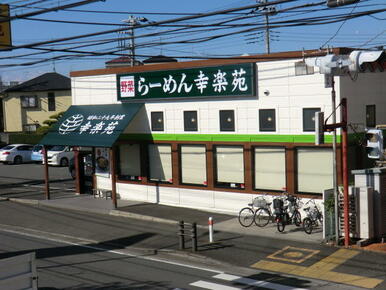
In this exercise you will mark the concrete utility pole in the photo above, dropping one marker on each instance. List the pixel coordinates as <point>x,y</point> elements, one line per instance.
<point>133,21</point>
<point>267,11</point>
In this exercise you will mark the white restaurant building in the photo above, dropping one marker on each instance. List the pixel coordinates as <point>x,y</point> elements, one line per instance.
<point>214,134</point>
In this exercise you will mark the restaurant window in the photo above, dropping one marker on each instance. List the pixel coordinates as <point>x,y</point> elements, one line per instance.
<point>129,162</point>
<point>301,68</point>
<point>229,161</point>
<point>270,169</point>
<point>267,120</point>
<point>157,121</point>
<point>193,164</point>
<point>51,102</point>
<point>190,121</point>
<point>370,116</point>
<point>29,101</point>
<point>309,119</point>
<point>314,169</point>
<point>227,120</point>
<point>160,163</point>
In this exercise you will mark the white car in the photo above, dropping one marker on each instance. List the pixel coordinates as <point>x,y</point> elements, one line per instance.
<point>16,153</point>
<point>59,155</point>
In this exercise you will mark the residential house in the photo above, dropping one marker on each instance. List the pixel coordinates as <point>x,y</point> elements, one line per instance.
<point>27,105</point>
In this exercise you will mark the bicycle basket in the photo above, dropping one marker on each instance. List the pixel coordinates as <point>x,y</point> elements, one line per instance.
<point>278,203</point>
<point>259,202</point>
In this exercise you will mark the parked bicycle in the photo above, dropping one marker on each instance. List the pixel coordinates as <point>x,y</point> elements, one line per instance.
<point>257,212</point>
<point>287,214</point>
<point>314,217</point>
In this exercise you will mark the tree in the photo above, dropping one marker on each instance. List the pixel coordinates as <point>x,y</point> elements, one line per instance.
<point>49,123</point>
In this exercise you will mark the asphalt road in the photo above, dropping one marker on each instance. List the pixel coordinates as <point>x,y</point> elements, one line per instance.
<point>232,253</point>
<point>84,246</point>
<point>68,266</point>
<point>27,180</point>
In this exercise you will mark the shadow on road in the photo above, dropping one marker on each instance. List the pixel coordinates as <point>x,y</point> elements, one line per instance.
<point>116,244</point>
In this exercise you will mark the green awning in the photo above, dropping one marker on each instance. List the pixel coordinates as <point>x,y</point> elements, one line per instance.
<point>91,125</point>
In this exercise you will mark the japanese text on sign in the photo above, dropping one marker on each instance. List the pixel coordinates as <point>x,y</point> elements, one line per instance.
<point>226,80</point>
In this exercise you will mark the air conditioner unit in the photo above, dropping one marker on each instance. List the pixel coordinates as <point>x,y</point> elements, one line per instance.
<point>364,212</point>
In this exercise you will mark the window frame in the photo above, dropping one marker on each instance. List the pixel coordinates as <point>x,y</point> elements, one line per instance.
<point>188,123</point>
<point>371,121</point>
<point>263,128</point>
<point>253,159</point>
<point>223,118</point>
<point>156,115</point>
<point>296,167</point>
<point>149,179</point>
<point>122,177</point>
<point>315,109</point>
<point>229,185</point>
<point>51,102</point>
<point>25,126</point>
<point>181,167</point>
<point>26,103</point>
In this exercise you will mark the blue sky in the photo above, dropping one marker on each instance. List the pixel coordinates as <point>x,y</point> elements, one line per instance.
<point>363,32</point>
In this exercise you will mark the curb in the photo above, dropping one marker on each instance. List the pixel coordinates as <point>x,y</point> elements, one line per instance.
<point>24,201</point>
<point>116,212</point>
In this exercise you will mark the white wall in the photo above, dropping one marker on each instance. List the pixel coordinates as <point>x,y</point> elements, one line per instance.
<point>94,90</point>
<point>288,94</point>
<point>367,89</point>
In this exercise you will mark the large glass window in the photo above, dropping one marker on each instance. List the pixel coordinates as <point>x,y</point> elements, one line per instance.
<point>270,169</point>
<point>160,162</point>
<point>193,164</point>
<point>229,166</point>
<point>314,169</point>
<point>129,162</point>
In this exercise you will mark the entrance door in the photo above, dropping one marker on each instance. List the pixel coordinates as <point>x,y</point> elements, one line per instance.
<point>86,171</point>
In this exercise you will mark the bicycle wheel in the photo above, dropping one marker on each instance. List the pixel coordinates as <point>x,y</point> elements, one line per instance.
<point>307,225</point>
<point>297,218</point>
<point>280,226</point>
<point>246,217</point>
<point>262,217</point>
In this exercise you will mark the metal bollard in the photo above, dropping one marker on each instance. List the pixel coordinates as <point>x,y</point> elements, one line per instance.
<point>181,234</point>
<point>210,225</point>
<point>194,237</point>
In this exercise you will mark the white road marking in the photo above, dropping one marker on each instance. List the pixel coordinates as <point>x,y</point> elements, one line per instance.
<point>82,243</point>
<point>252,282</point>
<point>212,286</point>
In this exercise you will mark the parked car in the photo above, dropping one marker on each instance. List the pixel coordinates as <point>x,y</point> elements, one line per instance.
<point>37,153</point>
<point>16,153</point>
<point>59,155</point>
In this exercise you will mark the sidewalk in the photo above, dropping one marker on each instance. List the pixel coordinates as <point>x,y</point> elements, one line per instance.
<point>168,214</point>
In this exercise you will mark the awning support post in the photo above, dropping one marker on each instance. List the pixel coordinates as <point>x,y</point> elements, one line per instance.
<point>77,170</point>
<point>113,178</point>
<point>46,175</point>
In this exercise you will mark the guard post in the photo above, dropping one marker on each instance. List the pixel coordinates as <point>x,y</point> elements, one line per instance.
<point>192,233</point>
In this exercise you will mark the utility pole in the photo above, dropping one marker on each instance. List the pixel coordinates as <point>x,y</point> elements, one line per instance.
<point>267,11</point>
<point>133,21</point>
